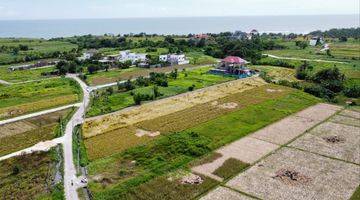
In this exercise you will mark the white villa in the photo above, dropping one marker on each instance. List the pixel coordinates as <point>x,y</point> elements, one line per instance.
<point>174,59</point>
<point>88,54</point>
<point>314,41</point>
<point>133,57</point>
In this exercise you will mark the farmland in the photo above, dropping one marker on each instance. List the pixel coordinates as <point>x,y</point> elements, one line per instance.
<point>197,77</point>
<point>37,48</point>
<point>207,134</point>
<point>25,133</point>
<point>30,177</point>
<point>30,97</point>
<point>276,73</point>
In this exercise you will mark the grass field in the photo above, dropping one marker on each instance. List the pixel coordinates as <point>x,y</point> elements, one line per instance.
<point>30,177</point>
<point>37,47</point>
<point>21,99</point>
<point>22,75</point>
<point>350,69</point>
<point>341,51</point>
<point>117,176</point>
<point>25,133</point>
<point>198,77</point>
<point>230,168</point>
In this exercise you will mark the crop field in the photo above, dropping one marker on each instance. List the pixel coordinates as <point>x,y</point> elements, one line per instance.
<point>30,177</point>
<point>119,100</point>
<point>21,99</point>
<point>25,133</point>
<point>130,116</point>
<point>117,177</point>
<point>37,47</point>
<point>124,138</point>
<point>277,73</point>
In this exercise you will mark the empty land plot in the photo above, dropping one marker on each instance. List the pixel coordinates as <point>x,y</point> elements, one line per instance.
<point>133,115</point>
<point>345,120</point>
<point>277,73</point>
<point>25,133</point>
<point>28,177</point>
<point>22,99</point>
<point>334,140</point>
<point>23,75</point>
<point>295,174</point>
<point>115,75</point>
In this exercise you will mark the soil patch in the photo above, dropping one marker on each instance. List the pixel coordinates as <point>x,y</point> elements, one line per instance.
<point>291,177</point>
<point>141,133</point>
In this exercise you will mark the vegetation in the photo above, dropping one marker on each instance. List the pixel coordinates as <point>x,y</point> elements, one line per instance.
<point>356,195</point>
<point>30,177</point>
<point>19,99</point>
<point>23,75</point>
<point>230,168</point>
<point>25,50</point>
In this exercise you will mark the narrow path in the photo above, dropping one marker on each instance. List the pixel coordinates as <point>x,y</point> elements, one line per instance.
<point>304,59</point>
<point>4,82</point>
<point>22,117</point>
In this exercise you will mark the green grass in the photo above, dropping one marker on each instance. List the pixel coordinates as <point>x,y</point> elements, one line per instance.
<point>175,151</point>
<point>20,99</point>
<point>117,101</point>
<point>22,75</point>
<point>356,195</point>
<point>230,168</point>
<point>37,47</point>
<point>79,150</point>
<point>34,177</point>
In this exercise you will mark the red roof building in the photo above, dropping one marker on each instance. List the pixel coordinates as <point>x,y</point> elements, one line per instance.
<point>234,60</point>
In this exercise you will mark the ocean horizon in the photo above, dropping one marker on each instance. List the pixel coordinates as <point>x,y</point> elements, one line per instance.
<point>174,25</point>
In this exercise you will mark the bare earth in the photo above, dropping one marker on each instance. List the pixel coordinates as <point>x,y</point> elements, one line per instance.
<point>326,178</point>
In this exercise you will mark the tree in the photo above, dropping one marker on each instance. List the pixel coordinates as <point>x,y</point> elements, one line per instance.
<point>156,91</point>
<point>129,85</point>
<point>91,69</point>
<point>15,170</point>
<point>343,39</point>
<point>331,79</point>
<point>301,73</point>
<point>110,90</point>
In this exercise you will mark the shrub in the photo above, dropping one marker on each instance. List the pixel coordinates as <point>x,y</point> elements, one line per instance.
<point>319,91</point>
<point>352,91</point>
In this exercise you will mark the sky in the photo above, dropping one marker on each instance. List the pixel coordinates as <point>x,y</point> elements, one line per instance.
<point>80,9</point>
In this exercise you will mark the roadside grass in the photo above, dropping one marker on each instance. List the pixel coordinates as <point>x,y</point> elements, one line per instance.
<point>37,47</point>
<point>119,100</point>
<point>23,75</point>
<point>79,150</point>
<point>30,177</point>
<point>21,99</point>
<point>356,195</point>
<point>25,133</point>
<point>230,168</point>
<point>140,165</point>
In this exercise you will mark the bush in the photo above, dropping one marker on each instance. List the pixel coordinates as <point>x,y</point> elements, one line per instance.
<point>330,79</point>
<point>319,91</point>
<point>352,91</point>
<point>191,88</point>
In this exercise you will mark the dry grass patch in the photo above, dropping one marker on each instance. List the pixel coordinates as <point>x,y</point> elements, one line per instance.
<point>99,125</point>
<point>230,168</point>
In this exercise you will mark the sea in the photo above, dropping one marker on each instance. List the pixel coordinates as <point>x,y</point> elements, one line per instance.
<point>174,25</point>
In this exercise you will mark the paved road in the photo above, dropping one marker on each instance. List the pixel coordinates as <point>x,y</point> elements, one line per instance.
<point>71,182</point>
<point>38,113</point>
<point>303,59</point>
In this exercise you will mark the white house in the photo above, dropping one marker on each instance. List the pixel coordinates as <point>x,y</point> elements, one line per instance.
<point>133,57</point>
<point>314,41</point>
<point>174,59</point>
<point>89,54</point>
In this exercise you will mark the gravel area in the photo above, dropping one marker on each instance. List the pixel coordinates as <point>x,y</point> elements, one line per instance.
<point>326,179</point>
<point>350,113</point>
<point>319,112</point>
<point>334,140</point>
<point>223,193</point>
